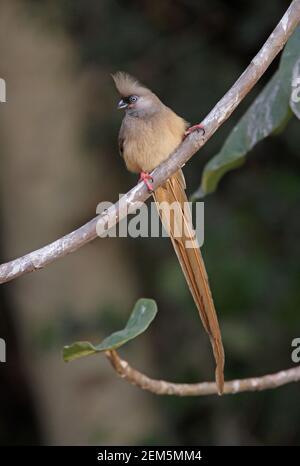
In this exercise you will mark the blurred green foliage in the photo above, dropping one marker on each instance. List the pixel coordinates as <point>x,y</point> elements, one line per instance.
<point>268,114</point>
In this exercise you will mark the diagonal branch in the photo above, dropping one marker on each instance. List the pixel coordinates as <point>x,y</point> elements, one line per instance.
<point>162,387</point>
<point>128,203</point>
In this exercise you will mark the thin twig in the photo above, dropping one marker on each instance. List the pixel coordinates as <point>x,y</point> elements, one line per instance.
<point>162,387</point>
<point>129,202</point>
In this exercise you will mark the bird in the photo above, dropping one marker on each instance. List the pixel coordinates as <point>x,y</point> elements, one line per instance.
<point>150,131</point>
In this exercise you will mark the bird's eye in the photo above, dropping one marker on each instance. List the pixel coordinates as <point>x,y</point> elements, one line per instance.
<point>133,98</point>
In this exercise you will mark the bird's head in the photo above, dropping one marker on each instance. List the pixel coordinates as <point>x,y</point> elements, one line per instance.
<point>136,99</point>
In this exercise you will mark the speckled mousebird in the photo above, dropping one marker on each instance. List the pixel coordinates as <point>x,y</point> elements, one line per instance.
<point>149,133</point>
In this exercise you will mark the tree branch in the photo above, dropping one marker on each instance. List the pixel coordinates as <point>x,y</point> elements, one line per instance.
<point>129,202</point>
<point>162,387</point>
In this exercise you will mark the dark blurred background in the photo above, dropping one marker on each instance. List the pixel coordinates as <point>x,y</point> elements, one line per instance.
<point>59,158</point>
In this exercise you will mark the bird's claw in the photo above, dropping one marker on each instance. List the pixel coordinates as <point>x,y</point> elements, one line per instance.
<point>145,177</point>
<point>198,127</point>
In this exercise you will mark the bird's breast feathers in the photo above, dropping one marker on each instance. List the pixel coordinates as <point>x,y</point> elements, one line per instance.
<point>146,142</point>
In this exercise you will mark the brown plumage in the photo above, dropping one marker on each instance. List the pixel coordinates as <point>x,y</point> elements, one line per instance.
<point>149,133</point>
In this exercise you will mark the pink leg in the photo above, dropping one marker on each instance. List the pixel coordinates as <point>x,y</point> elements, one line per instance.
<point>145,177</point>
<point>198,127</point>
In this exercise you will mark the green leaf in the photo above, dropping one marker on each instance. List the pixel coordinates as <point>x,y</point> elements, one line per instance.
<point>268,114</point>
<point>141,317</point>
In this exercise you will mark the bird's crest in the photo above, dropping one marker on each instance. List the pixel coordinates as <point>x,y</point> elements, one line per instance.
<point>127,85</point>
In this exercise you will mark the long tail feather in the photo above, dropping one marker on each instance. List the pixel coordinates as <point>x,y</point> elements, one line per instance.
<point>178,224</point>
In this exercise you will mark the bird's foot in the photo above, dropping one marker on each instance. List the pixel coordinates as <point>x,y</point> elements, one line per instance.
<point>198,127</point>
<point>145,177</point>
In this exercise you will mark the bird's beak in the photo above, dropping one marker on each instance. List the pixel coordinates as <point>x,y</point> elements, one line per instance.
<point>122,104</point>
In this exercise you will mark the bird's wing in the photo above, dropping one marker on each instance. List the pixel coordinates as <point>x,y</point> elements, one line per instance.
<point>191,261</point>
<point>121,140</point>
